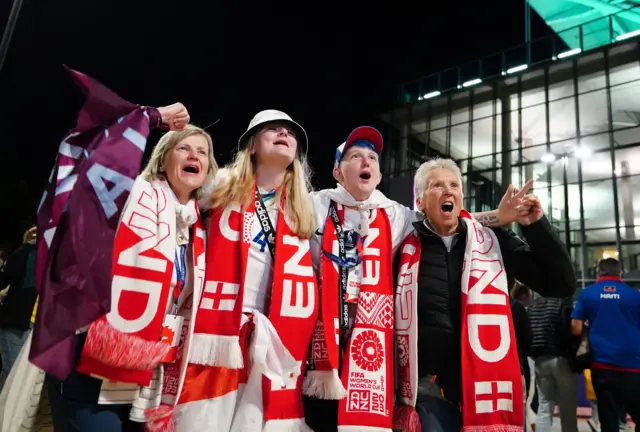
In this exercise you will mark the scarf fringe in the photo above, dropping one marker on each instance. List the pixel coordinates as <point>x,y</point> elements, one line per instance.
<point>216,350</point>
<point>286,425</point>
<point>123,350</point>
<point>324,385</point>
<point>406,419</point>
<point>493,428</point>
<point>363,429</point>
<point>159,419</point>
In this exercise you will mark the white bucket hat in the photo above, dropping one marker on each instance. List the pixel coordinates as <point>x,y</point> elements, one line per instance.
<point>271,115</point>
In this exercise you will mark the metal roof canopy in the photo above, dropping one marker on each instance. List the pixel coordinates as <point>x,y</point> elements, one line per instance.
<point>561,15</point>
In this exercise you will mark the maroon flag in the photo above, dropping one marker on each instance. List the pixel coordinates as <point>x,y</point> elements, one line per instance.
<point>95,169</point>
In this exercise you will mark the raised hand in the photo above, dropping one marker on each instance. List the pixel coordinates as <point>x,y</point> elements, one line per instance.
<point>175,116</point>
<point>510,209</point>
<point>530,210</point>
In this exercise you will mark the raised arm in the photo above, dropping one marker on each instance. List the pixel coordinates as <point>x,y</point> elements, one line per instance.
<point>542,262</point>
<point>512,206</point>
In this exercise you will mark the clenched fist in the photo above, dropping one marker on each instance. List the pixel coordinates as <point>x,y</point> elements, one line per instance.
<point>175,116</point>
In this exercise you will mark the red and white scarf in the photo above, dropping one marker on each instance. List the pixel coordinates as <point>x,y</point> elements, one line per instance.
<point>367,368</point>
<point>213,394</point>
<point>125,345</point>
<point>492,399</point>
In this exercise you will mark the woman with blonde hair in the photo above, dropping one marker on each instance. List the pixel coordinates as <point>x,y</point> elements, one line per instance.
<point>259,304</point>
<point>133,358</point>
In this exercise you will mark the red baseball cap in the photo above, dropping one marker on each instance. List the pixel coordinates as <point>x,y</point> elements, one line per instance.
<point>365,133</point>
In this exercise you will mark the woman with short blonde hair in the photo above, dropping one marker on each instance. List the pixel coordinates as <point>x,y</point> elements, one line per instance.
<point>154,171</point>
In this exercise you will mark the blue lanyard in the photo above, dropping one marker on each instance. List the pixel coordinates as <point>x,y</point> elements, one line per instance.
<point>181,271</point>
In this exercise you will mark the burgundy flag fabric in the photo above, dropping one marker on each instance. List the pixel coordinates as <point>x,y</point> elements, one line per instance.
<point>93,174</point>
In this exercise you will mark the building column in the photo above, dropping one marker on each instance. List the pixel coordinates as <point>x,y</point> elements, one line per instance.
<point>505,145</point>
<point>627,201</point>
<point>405,130</point>
<point>527,154</point>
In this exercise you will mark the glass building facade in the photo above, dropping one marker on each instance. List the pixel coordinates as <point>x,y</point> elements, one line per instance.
<point>571,124</point>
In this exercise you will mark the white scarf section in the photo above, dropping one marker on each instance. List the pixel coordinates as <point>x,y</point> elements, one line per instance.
<point>150,396</point>
<point>377,200</point>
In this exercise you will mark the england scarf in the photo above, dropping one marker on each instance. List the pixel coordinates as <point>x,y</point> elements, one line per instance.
<point>367,368</point>
<point>279,344</point>
<point>126,344</point>
<point>491,383</point>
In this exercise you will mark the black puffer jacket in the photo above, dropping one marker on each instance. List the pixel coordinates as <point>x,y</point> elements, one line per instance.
<point>550,320</point>
<point>543,265</point>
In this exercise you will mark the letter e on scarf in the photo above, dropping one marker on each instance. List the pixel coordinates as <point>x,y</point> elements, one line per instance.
<point>293,305</point>
<point>370,266</point>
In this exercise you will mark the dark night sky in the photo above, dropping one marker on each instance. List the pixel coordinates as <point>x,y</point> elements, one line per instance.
<point>330,65</point>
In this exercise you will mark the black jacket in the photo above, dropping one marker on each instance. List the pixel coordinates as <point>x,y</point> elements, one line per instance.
<point>523,337</point>
<point>543,265</point>
<point>550,320</point>
<point>17,306</point>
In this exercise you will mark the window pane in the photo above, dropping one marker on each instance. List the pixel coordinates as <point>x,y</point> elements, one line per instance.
<point>626,136</point>
<point>499,139</point>
<point>553,206</point>
<point>482,163</point>
<point>438,140</point>
<point>560,90</point>
<point>557,171</point>
<point>460,116</point>
<point>593,112</point>
<point>514,100</point>
<point>597,166</point>
<point>562,119</point>
<point>598,204</point>
<point>517,174</point>
<point>483,109</point>
<point>535,153</point>
<point>625,105</point>
<point>627,161</point>
<point>595,142</point>
<point>482,137</point>
<point>624,73</point>
<point>531,97</point>
<point>515,130</point>
<point>438,121</point>
<point>603,235</point>
<point>629,206</point>
<point>460,141</point>
<point>419,125</point>
<point>534,125</point>
<point>631,259</point>
<point>590,73</point>
<point>573,195</point>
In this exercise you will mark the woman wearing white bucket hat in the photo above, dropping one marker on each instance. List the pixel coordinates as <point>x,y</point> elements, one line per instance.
<point>260,300</point>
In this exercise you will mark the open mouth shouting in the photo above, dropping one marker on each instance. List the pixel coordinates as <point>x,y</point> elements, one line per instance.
<point>365,175</point>
<point>191,169</point>
<point>447,207</point>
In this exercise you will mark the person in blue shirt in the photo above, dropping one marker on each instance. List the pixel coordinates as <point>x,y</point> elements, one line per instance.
<point>612,310</point>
